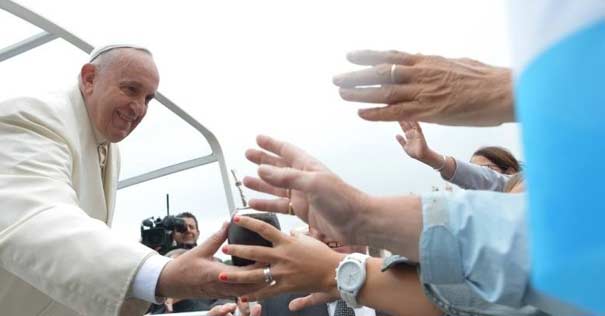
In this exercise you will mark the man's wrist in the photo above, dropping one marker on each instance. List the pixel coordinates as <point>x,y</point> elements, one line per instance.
<point>394,223</point>
<point>501,101</point>
<point>147,279</point>
<point>363,223</point>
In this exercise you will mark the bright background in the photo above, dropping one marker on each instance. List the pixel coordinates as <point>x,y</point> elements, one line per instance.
<point>247,67</point>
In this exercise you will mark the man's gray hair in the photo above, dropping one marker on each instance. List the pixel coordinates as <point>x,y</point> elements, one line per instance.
<point>104,49</point>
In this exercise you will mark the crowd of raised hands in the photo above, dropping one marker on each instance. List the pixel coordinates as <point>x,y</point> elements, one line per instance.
<point>405,88</point>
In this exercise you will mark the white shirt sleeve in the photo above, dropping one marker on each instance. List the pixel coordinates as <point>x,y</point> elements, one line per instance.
<point>146,279</point>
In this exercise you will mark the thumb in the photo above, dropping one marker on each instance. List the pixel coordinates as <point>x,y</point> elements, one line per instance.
<point>401,140</point>
<point>211,245</point>
<point>310,300</point>
<point>256,310</point>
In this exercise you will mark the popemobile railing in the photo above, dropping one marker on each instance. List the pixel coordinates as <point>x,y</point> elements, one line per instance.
<point>51,32</point>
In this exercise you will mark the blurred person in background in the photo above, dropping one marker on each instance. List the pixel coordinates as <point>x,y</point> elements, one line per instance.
<point>489,167</point>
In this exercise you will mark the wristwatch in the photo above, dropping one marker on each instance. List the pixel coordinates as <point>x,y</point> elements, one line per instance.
<point>350,277</point>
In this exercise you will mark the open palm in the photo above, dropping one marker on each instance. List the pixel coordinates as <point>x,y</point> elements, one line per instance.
<point>414,143</point>
<point>319,197</point>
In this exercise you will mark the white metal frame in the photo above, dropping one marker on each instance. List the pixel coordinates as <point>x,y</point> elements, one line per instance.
<point>51,32</point>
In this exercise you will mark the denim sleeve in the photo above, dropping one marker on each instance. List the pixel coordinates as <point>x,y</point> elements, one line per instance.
<point>473,177</point>
<point>473,251</point>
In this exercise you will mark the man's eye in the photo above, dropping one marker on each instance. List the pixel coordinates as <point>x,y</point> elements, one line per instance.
<point>130,90</point>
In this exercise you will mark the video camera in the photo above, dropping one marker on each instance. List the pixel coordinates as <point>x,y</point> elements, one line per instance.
<point>156,233</point>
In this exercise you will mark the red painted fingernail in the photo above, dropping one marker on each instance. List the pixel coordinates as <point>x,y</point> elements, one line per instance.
<point>222,276</point>
<point>244,299</point>
<point>225,249</point>
<point>236,219</point>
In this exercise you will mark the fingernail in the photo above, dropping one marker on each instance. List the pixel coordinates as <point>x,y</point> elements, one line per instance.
<point>226,249</point>
<point>244,299</point>
<point>337,80</point>
<point>222,276</point>
<point>236,219</point>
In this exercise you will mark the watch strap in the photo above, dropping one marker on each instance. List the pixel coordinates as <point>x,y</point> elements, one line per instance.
<point>350,297</point>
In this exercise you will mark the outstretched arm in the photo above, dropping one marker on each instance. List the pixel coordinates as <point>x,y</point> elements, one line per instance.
<point>461,173</point>
<point>300,263</point>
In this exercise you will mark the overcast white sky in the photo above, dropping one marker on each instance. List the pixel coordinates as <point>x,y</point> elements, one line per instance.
<point>247,67</point>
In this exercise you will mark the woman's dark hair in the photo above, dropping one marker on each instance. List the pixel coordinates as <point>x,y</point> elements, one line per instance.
<point>501,157</point>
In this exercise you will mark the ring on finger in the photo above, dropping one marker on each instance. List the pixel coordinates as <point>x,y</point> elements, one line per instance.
<point>290,208</point>
<point>268,275</point>
<point>393,68</point>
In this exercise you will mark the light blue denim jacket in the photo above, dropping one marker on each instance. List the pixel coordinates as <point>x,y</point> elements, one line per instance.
<point>473,253</point>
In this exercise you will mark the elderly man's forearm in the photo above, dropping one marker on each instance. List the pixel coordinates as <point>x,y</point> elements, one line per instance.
<point>393,223</point>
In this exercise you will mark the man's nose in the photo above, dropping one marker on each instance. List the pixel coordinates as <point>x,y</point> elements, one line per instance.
<point>138,107</point>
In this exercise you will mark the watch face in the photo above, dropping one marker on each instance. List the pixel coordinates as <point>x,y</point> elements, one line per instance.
<point>350,276</point>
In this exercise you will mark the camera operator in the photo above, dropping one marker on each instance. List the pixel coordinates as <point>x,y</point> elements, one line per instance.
<point>170,232</point>
<point>188,238</point>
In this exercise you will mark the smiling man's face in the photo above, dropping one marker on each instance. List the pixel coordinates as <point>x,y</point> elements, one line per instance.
<point>118,90</point>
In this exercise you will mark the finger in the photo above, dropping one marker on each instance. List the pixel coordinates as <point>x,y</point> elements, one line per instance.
<point>256,310</point>
<point>385,94</point>
<point>213,243</point>
<point>401,140</point>
<point>378,75</point>
<point>417,126</point>
<point>259,185</point>
<point>405,126</point>
<point>260,157</point>
<point>309,300</point>
<point>373,57</point>
<point>257,265</point>
<point>391,112</point>
<point>222,310</point>
<point>273,206</point>
<point>256,276</point>
<point>286,177</point>
<point>255,253</point>
<point>265,230</point>
<point>282,149</point>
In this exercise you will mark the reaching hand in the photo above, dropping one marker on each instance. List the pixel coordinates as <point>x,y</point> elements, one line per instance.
<point>195,273</point>
<point>428,88</point>
<point>311,300</point>
<point>223,310</point>
<point>414,143</point>
<point>298,263</point>
<point>318,196</point>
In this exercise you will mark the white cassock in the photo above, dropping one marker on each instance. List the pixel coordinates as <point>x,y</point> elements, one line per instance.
<point>57,253</point>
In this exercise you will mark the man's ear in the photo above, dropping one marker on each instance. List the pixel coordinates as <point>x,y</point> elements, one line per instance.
<point>87,77</point>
